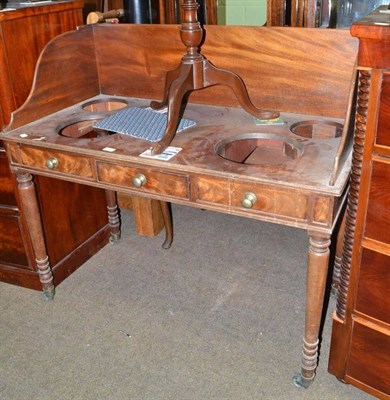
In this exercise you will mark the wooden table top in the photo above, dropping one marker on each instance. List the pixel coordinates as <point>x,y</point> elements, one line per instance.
<point>311,170</point>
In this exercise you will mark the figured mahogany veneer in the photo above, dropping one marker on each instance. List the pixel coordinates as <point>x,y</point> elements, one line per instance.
<point>302,186</point>
<point>156,182</point>
<point>67,164</point>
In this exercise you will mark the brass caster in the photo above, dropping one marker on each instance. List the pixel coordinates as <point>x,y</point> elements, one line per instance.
<point>48,295</point>
<point>301,381</point>
<point>114,238</point>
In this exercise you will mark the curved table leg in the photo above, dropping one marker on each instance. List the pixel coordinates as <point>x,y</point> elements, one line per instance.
<point>194,75</point>
<point>317,270</point>
<point>217,76</point>
<point>167,217</point>
<point>179,87</point>
<point>169,78</point>
<point>113,216</point>
<point>30,209</point>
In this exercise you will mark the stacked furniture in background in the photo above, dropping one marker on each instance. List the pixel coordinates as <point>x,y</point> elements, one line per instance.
<point>360,348</point>
<point>74,216</point>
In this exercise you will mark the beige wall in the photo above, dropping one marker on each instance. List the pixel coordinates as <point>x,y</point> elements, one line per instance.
<point>242,12</point>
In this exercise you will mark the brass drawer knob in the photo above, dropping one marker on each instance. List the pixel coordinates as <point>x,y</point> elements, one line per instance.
<point>248,200</point>
<point>139,180</point>
<point>51,163</point>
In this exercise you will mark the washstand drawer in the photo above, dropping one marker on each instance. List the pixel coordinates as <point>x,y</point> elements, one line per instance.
<point>269,199</point>
<point>252,197</point>
<point>55,161</point>
<point>149,181</point>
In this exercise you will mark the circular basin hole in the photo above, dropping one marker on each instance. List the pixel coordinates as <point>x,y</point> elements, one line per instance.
<point>99,106</point>
<point>255,148</point>
<point>317,129</point>
<point>82,129</point>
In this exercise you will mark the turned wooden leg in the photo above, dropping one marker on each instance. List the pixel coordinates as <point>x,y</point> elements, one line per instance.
<point>113,216</point>
<point>317,270</point>
<point>30,209</point>
<point>337,258</point>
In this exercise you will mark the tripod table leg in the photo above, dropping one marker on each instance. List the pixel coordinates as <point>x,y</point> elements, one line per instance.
<point>217,76</point>
<point>179,87</point>
<point>167,217</point>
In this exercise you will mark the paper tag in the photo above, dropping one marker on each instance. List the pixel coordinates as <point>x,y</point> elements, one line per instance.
<point>109,149</point>
<point>166,155</point>
<point>274,121</point>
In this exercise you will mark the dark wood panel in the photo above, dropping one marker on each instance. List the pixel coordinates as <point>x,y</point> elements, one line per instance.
<point>374,283</point>
<point>378,212</point>
<point>81,63</point>
<point>383,134</point>
<point>20,277</point>
<point>374,35</point>
<point>275,13</point>
<point>23,34</point>
<point>370,358</point>
<point>12,248</point>
<point>295,13</point>
<point>212,12</point>
<point>71,214</point>
<point>273,79</point>
<point>19,33</point>
<point>260,50</point>
<point>26,31</point>
<point>7,194</point>
<point>7,100</point>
